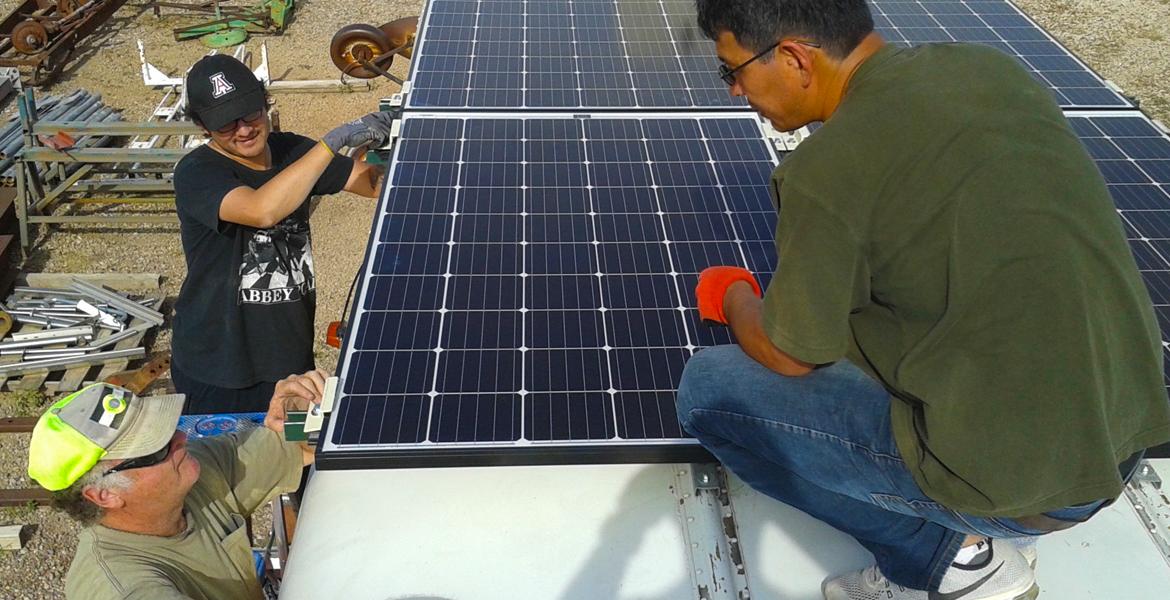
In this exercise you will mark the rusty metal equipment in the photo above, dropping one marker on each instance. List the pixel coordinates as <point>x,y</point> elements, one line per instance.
<point>366,51</point>
<point>233,23</point>
<point>40,36</point>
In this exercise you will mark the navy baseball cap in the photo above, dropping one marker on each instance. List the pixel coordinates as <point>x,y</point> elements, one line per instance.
<point>221,89</point>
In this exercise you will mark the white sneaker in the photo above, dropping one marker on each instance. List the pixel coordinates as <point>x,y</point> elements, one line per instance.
<point>1002,575</point>
<point>1027,547</point>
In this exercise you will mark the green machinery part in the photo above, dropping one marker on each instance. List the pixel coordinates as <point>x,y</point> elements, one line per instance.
<point>270,17</point>
<point>224,38</point>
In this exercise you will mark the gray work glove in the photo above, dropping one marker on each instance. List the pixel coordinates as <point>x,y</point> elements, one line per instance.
<point>373,129</point>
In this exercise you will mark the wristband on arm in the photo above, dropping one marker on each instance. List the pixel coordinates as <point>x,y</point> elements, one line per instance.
<point>712,288</point>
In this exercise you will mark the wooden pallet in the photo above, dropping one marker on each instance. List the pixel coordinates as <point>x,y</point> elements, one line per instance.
<point>69,380</point>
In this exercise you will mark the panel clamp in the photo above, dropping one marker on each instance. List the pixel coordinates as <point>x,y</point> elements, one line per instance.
<point>316,416</point>
<point>785,141</point>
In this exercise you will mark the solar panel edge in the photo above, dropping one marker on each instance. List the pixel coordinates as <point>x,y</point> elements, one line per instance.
<point>396,457</point>
<point>1127,103</point>
<point>690,452</point>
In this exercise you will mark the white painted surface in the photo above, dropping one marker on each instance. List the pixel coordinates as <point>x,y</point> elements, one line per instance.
<point>613,533</point>
<point>789,553</point>
<point>567,532</point>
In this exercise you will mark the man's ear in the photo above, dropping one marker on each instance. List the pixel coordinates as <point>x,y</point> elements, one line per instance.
<point>103,498</point>
<point>798,56</point>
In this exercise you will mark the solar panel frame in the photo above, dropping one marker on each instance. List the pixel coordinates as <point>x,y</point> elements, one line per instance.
<point>601,77</point>
<point>999,23</point>
<point>628,265</point>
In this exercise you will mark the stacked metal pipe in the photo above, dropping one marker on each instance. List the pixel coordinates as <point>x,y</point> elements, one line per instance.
<point>80,105</point>
<point>73,320</point>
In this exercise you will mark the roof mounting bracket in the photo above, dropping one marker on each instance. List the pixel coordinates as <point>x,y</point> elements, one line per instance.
<point>706,476</point>
<point>1152,505</point>
<point>785,141</point>
<point>710,533</point>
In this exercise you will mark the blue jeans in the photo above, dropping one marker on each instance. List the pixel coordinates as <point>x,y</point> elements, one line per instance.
<point>822,443</point>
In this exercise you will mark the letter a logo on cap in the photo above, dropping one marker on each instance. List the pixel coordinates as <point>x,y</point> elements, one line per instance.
<point>220,85</point>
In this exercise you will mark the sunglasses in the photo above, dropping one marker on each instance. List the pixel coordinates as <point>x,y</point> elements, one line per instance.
<point>727,74</point>
<point>235,124</point>
<point>140,462</point>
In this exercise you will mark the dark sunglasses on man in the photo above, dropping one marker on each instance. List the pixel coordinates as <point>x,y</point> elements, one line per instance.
<point>249,119</point>
<point>140,462</point>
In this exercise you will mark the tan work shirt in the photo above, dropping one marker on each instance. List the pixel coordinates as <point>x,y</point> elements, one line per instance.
<point>212,558</point>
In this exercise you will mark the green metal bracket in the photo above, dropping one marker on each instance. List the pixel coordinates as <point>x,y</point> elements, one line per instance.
<point>294,426</point>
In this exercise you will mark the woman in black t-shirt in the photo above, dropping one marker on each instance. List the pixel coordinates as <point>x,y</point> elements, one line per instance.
<point>244,316</point>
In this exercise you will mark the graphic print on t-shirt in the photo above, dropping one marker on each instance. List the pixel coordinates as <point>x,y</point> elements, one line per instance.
<point>277,265</point>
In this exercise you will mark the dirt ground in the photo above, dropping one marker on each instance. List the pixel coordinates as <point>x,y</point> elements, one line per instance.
<point>1124,40</point>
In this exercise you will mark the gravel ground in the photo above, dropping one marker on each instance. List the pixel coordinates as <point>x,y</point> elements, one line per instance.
<point>1126,41</point>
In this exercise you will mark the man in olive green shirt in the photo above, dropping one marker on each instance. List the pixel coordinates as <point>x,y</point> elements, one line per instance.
<point>165,520</point>
<point>956,346</point>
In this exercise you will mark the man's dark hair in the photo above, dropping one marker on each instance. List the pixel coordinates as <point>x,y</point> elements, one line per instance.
<point>837,25</point>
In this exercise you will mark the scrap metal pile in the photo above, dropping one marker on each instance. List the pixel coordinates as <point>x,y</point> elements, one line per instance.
<point>40,36</point>
<point>80,106</point>
<point>75,327</point>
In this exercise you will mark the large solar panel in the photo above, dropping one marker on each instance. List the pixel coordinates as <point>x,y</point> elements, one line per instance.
<point>583,54</point>
<point>1000,24</point>
<point>528,286</point>
<point>563,54</point>
<point>1134,156</point>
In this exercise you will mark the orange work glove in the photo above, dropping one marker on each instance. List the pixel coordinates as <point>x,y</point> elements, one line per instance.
<point>713,284</point>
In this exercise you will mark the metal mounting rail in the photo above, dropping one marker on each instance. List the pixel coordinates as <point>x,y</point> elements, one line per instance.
<point>710,532</point>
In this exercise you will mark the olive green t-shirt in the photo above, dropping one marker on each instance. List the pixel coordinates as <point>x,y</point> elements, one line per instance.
<point>212,558</point>
<point>947,232</point>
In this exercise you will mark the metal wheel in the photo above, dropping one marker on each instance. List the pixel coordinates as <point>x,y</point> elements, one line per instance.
<point>401,33</point>
<point>48,70</point>
<point>29,37</point>
<point>353,44</point>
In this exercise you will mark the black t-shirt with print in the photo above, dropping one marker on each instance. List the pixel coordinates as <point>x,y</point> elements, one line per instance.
<point>245,311</point>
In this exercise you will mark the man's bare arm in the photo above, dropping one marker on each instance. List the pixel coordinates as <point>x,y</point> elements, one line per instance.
<point>745,316</point>
<point>269,204</point>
